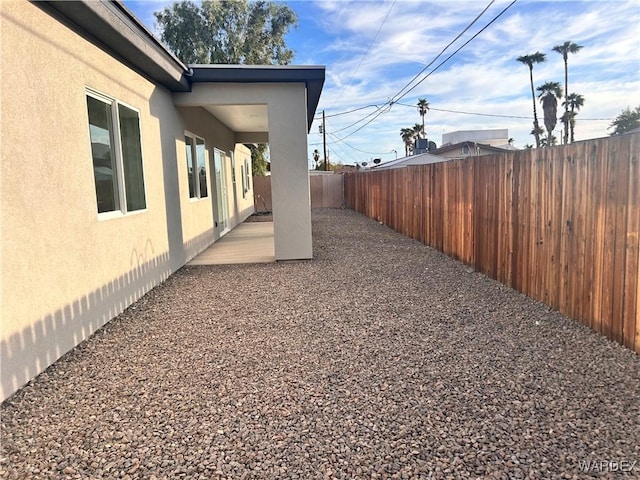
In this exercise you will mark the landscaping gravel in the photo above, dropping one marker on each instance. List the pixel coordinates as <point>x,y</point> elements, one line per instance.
<point>380,358</point>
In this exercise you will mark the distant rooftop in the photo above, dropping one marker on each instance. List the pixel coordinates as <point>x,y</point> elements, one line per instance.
<point>494,137</point>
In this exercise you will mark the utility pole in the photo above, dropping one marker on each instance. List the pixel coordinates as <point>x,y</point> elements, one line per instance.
<point>324,142</point>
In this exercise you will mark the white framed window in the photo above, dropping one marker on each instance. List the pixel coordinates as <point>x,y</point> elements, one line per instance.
<point>196,155</point>
<point>116,151</point>
<point>247,174</point>
<point>244,181</point>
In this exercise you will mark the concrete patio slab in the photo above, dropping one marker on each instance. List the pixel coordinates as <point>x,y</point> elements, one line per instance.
<point>247,243</point>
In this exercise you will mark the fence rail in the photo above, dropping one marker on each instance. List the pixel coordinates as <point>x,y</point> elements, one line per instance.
<point>558,224</point>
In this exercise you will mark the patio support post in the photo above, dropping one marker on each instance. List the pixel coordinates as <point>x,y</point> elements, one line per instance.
<point>290,190</point>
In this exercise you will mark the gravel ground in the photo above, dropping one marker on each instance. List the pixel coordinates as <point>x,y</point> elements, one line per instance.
<point>381,358</point>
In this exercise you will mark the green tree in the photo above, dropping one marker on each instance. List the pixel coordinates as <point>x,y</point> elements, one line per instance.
<point>573,102</point>
<point>530,61</point>
<point>550,93</point>
<point>407,137</point>
<point>565,49</point>
<point>625,122</point>
<point>259,155</point>
<point>227,31</point>
<point>423,108</point>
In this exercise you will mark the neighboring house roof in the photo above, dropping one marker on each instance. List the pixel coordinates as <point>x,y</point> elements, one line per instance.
<point>420,159</point>
<point>458,147</point>
<point>111,26</point>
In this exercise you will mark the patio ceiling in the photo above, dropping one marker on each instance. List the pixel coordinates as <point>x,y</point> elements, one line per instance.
<point>241,118</point>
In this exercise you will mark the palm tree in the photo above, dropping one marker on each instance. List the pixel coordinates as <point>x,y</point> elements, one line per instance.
<point>574,101</point>
<point>530,60</point>
<point>407,137</point>
<point>423,108</point>
<point>417,131</point>
<point>550,93</point>
<point>565,49</point>
<point>549,141</point>
<point>537,132</point>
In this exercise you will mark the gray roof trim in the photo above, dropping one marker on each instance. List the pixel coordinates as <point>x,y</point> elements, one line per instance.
<point>110,25</point>
<point>113,26</point>
<point>312,76</point>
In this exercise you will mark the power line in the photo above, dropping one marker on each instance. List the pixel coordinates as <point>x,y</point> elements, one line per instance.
<point>458,49</point>
<point>400,95</point>
<point>492,114</point>
<point>319,117</point>
<point>445,48</point>
<point>338,140</point>
<point>390,102</point>
<point>380,112</point>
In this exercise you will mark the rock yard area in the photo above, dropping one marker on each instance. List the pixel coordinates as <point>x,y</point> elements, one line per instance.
<point>380,358</point>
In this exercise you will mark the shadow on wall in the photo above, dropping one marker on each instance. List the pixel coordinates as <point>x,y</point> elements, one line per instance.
<point>197,245</point>
<point>26,354</point>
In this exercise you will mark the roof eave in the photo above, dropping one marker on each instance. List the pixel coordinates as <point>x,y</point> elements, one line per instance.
<point>312,76</point>
<point>115,29</point>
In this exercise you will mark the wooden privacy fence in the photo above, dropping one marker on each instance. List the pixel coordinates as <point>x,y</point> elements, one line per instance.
<point>558,224</point>
<point>326,191</point>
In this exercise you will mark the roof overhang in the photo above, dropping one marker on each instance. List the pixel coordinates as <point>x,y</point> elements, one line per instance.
<point>111,26</point>
<point>311,76</point>
<point>116,30</point>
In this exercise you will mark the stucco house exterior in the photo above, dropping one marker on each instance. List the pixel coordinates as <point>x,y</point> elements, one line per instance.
<point>120,164</point>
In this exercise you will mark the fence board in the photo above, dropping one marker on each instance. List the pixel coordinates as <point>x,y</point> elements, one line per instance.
<point>559,224</point>
<point>327,191</point>
<point>631,323</point>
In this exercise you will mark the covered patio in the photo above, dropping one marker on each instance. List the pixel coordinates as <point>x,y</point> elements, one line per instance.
<point>271,104</point>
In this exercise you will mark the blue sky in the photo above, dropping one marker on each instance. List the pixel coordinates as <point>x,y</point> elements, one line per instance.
<point>372,49</point>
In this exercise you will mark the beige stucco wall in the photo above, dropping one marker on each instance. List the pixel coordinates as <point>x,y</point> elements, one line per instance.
<point>65,271</point>
<point>199,228</point>
<point>244,202</point>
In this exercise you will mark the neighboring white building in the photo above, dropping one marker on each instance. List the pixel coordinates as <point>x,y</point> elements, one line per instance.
<point>120,164</point>
<point>493,137</point>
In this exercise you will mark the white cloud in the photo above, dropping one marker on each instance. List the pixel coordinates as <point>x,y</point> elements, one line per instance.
<point>484,77</point>
<point>368,69</point>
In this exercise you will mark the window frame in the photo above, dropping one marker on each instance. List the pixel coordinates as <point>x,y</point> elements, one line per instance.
<point>247,172</point>
<point>194,164</point>
<point>118,159</point>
